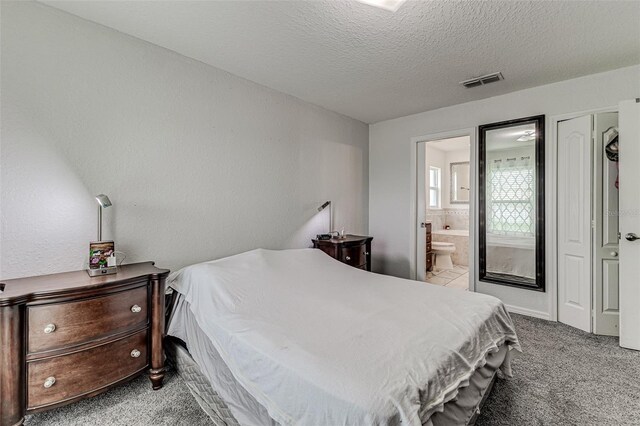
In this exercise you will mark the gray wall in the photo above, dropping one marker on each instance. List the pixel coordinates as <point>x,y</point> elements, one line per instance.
<point>198,163</point>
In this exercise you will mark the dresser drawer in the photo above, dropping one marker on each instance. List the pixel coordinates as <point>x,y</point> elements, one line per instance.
<point>71,323</point>
<point>82,372</point>
<point>355,255</point>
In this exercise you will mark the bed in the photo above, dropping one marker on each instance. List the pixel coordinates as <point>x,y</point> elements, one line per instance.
<point>294,337</point>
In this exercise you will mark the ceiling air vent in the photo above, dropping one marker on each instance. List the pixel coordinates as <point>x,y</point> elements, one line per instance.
<point>481,81</point>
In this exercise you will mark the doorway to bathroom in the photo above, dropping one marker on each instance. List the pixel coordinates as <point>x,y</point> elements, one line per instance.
<point>444,193</point>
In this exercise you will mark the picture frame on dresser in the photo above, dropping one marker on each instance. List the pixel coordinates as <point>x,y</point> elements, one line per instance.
<point>65,337</point>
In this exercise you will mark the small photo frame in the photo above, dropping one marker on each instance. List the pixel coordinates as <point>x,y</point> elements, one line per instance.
<point>101,254</point>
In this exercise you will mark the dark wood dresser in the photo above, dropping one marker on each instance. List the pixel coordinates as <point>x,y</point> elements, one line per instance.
<point>429,254</point>
<point>353,250</point>
<point>68,336</point>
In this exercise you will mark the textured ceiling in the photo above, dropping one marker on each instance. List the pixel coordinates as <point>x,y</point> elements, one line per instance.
<point>372,64</point>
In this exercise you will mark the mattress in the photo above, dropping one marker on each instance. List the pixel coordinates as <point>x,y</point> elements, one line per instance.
<point>310,340</point>
<point>227,403</point>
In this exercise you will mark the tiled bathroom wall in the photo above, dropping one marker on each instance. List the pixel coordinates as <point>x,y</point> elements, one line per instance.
<point>455,218</point>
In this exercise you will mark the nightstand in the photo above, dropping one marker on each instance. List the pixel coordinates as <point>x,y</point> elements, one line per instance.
<point>353,250</point>
<point>65,337</point>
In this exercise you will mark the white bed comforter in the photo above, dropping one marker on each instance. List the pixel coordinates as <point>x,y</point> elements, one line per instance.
<point>317,342</point>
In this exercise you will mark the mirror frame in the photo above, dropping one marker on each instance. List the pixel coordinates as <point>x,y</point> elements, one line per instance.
<point>539,285</point>
<point>451,181</point>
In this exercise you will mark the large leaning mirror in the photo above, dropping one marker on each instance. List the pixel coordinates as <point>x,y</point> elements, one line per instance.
<point>511,203</point>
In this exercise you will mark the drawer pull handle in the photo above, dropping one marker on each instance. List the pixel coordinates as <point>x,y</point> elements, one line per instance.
<point>366,253</point>
<point>49,328</point>
<point>49,382</point>
<point>135,309</point>
<point>348,258</point>
<point>135,353</point>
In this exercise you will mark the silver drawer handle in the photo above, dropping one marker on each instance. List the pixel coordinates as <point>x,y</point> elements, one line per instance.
<point>49,328</point>
<point>348,258</point>
<point>135,309</point>
<point>366,253</point>
<point>49,382</point>
<point>135,353</point>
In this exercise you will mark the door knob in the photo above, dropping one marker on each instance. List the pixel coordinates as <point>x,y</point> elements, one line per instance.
<point>631,237</point>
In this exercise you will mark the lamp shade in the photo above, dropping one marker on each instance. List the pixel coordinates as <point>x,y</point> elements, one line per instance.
<point>103,200</point>
<point>324,206</point>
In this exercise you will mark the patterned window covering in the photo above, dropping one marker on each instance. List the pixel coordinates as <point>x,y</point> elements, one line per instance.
<point>511,196</point>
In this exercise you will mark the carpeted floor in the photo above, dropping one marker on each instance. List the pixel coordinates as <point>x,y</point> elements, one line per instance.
<point>564,377</point>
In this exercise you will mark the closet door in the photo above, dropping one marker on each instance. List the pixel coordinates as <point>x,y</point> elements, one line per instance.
<point>630,224</point>
<point>574,222</point>
<point>605,236</point>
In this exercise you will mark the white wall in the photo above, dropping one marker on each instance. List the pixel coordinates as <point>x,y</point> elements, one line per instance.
<point>198,163</point>
<point>390,155</point>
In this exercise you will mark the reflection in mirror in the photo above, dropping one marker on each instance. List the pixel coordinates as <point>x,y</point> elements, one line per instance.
<point>459,193</point>
<point>512,203</point>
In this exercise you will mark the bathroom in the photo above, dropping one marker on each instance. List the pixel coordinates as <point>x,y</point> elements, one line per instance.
<point>447,188</point>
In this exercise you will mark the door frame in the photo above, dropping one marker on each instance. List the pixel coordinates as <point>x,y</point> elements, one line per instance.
<point>413,205</point>
<point>552,203</point>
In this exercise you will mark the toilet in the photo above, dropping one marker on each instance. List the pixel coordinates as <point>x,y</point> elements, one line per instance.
<point>443,253</point>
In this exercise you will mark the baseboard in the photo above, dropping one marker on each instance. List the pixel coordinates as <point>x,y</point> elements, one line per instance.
<point>528,312</point>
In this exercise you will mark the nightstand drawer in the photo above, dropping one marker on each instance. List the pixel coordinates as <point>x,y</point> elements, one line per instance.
<point>354,256</point>
<point>72,323</point>
<point>65,377</point>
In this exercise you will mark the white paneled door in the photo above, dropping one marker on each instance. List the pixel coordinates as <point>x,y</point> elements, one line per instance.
<point>629,126</point>
<point>574,222</point>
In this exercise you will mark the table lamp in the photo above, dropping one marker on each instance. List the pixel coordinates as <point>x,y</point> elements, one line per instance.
<point>102,255</point>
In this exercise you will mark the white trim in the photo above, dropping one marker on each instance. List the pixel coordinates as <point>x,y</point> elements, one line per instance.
<point>551,202</point>
<point>528,312</point>
<point>413,190</point>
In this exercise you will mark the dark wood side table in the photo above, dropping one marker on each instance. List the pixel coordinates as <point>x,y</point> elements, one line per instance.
<point>354,250</point>
<point>429,250</point>
<point>65,337</point>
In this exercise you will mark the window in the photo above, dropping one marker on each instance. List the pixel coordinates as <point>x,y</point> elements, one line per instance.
<point>434,187</point>
<point>511,198</point>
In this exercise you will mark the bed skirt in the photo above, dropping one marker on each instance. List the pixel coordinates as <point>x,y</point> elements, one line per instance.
<point>179,358</point>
